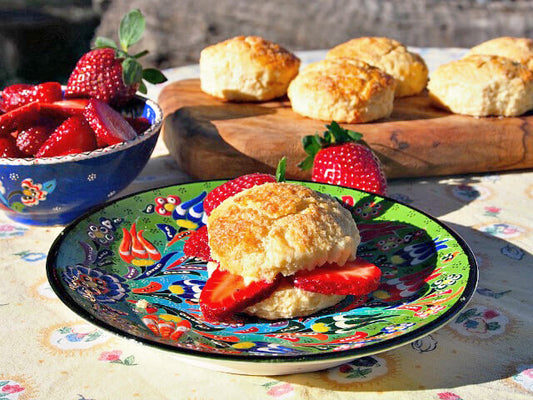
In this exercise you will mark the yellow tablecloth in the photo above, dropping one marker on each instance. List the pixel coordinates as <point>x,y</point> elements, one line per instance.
<point>48,352</point>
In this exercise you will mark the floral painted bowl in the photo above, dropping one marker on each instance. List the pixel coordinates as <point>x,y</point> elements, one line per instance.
<point>149,290</point>
<point>56,190</point>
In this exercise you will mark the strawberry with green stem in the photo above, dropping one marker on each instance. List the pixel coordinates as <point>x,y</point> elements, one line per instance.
<point>109,73</point>
<point>337,158</point>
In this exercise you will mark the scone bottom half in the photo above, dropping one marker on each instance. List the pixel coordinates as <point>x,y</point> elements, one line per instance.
<point>282,250</point>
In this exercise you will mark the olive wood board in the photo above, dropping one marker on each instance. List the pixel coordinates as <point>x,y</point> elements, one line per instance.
<point>211,139</point>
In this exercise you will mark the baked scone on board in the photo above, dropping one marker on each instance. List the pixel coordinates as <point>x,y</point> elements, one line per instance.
<point>282,250</point>
<point>342,89</point>
<point>515,48</point>
<point>408,68</point>
<point>483,85</point>
<point>247,68</point>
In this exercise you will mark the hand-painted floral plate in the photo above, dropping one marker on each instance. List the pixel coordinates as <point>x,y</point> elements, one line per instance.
<point>122,267</point>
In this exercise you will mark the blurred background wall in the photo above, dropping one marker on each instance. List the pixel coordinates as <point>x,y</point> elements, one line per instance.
<point>42,40</point>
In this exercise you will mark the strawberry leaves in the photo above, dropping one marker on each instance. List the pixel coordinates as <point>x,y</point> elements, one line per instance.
<point>335,134</point>
<point>340,157</point>
<point>131,29</point>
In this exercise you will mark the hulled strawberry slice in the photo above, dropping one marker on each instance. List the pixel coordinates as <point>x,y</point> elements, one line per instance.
<point>225,294</point>
<point>72,136</point>
<point>20,118</point>
<point>198,245</point>
<point>231,188</point>
<point>356,277</point>
<point>8,147</point>
<point>109,126</point>
<point>139,124</point>
<point>31,139</point>
<point>64,108</point>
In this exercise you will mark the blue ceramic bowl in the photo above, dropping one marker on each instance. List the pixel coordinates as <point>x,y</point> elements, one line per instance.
<point>56,190</point>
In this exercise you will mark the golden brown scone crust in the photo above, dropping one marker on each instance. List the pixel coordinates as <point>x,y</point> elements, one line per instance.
<point>483,85</point>
<point>280,228</point>
<point>408,68</point>
<point>344,90</point>
<point>517,49</point>
<point>247,68</point>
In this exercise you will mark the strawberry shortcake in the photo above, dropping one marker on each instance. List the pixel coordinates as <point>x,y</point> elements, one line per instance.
<point>282,250</point>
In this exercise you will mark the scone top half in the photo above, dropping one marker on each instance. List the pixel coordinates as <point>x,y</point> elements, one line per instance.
<point>247,68</point>
<point>280,228</point>
<point>483,85</point>
<point>342,89</point>
<point>408,68</point>
<point>517,49</point>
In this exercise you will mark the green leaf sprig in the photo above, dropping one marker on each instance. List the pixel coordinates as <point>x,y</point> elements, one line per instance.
<point>334,135</point>
<point>130,31</point>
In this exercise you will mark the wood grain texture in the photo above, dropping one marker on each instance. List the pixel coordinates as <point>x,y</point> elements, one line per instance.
<point>213,139</point>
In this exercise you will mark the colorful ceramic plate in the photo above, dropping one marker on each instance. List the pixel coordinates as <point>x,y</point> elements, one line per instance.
<point>122,268</point>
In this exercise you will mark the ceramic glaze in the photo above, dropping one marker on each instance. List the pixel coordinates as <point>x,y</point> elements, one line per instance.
<point>56,190</point>
<point>150,292</point>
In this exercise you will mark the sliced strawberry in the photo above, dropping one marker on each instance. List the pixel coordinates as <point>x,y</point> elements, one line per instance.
<point>47,92</point>
<point>72,136</point>
<point>198,245</point>
<point>356,277</point>
<point>109,126</point>
<point>225,294</point>
<point>139,124</point>
<point>8,147</point>
<point>20,94</point>
<point>64,108</point>
<point>20,118</point>
<point>231,188</point>
<point>16,95</point>
<point>31,139</point>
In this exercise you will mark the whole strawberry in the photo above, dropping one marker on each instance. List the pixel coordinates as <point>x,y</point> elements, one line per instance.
<point>110,73</point>
<point>338,159</point>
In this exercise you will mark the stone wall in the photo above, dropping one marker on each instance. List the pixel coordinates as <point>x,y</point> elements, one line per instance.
<point>42,39</point>
<point>178,30</point>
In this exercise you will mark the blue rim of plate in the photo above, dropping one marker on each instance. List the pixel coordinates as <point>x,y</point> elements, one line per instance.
<point>366,350</point>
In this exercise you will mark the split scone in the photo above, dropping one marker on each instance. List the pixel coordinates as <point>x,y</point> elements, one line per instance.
<point>342,89</point>
<point>282,250</point>
<point>517,49</point>
<point>247,68</point>
<point>483,85</point>
<point>408,68</point>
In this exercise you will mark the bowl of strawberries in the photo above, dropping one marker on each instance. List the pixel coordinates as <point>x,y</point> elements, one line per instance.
<point>65,149</point>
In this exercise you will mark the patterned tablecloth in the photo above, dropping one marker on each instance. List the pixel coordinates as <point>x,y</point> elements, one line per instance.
<point>48,352</point>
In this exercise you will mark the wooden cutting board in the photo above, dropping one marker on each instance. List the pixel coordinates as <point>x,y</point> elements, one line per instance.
<point>213,139</point>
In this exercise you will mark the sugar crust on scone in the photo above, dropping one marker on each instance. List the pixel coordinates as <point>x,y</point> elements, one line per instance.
<point>408,68</point>
<point>483,85</point>
<point>515,48</point>
<point>344,90</point>
<point>247,68</point>
<point>280,228</point>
